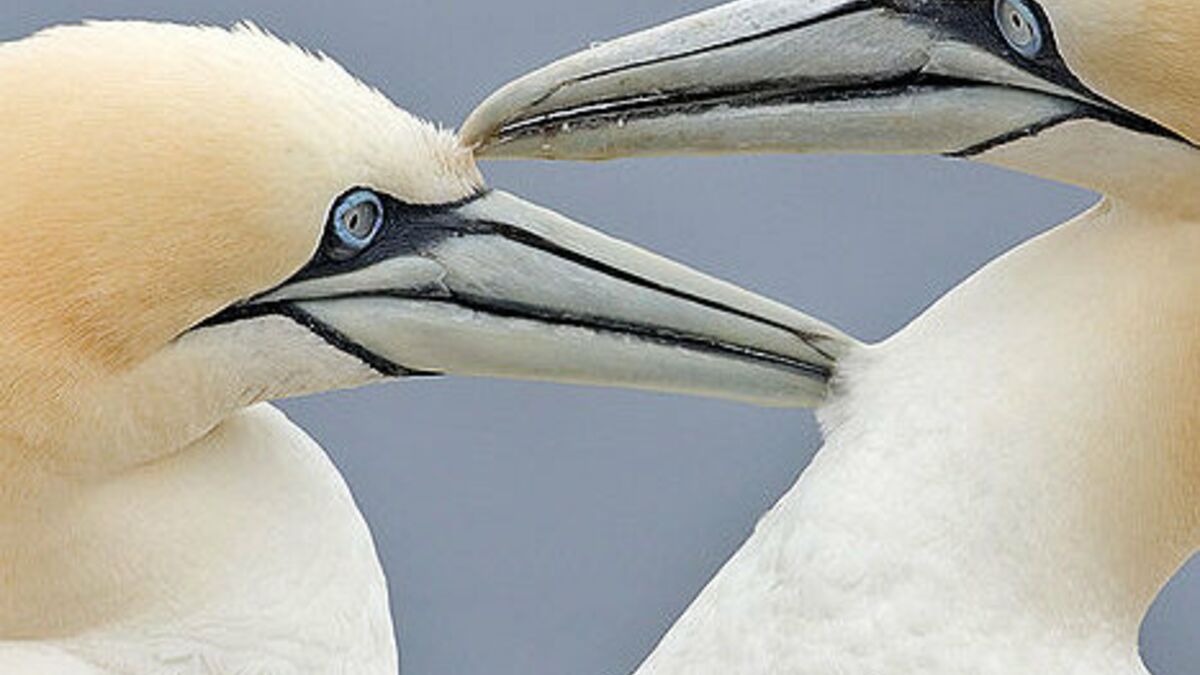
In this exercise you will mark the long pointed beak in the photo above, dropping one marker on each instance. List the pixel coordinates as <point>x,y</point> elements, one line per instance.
<point>499,287</point>
<point>889,76</point>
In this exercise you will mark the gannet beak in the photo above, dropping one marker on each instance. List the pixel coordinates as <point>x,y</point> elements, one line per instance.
<point>789,76</point>
<point>496,286</point>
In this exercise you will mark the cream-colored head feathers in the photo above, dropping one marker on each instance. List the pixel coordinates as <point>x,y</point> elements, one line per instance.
<point>154,174</point>
<point>1141,53</point>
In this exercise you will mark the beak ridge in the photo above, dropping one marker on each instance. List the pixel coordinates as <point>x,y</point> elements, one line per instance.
<point>630,62</point>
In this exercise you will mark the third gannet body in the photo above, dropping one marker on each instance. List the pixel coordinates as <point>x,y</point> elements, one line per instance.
<point>197,220</point>
<point>1008,481</point>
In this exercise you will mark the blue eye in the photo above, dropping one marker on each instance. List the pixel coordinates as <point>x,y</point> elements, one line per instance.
<point>1020,26</point>
<point>356,221</point>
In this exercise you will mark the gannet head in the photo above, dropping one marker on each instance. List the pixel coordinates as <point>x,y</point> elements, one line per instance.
<point>196,219</point>
<point>1035,85</point>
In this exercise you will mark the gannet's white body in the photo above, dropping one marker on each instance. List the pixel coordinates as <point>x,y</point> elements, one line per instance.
<point>1009,481</point>
<point>196,221</point>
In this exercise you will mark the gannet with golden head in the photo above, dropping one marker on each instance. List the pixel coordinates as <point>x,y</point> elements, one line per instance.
<point>197,220</point>
<point>1009,481</point>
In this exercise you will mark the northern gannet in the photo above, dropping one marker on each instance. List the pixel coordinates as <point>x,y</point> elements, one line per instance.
<point>1007,482</point>
<point>197,220</point>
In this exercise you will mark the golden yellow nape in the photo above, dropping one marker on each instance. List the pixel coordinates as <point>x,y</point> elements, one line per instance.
<point>154,174</point>
<point>1140,53</point>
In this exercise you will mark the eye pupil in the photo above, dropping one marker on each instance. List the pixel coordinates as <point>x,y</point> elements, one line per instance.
<point>361,220</point>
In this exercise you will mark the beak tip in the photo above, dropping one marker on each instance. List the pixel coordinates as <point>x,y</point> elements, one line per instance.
<point>496,112</point>
<point>483,125</point>
<point>514,102</point>
<point>475,133</point>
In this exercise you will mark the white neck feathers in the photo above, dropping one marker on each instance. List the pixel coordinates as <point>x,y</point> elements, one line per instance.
<point>1006,486</point>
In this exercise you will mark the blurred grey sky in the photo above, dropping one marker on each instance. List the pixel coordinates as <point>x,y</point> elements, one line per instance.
<point>540,530</point>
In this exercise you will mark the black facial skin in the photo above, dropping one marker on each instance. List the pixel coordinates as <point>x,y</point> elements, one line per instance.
<point>967,21</point>
<point>407,229</point>
<point>973,22</point>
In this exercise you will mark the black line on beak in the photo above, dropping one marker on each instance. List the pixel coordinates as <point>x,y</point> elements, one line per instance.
<point>599,324</point>
<point>526,238</point>
<point>762,94</point>
<point>656,334</point>
<point>332,336</point>
<point>855,7</point>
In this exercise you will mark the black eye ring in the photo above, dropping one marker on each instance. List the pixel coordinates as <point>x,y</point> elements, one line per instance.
<point>354,224</point>
<point>1020,26</point>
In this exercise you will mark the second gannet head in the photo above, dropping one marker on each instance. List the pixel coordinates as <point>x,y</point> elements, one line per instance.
<point>1100,94</point>
<point>196,219</point>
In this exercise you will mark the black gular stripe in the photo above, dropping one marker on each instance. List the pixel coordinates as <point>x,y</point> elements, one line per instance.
<point>329,334</point>
<point>1017,134</point>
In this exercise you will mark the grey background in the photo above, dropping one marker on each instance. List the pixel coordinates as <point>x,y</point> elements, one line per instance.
<point>538,529</point>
